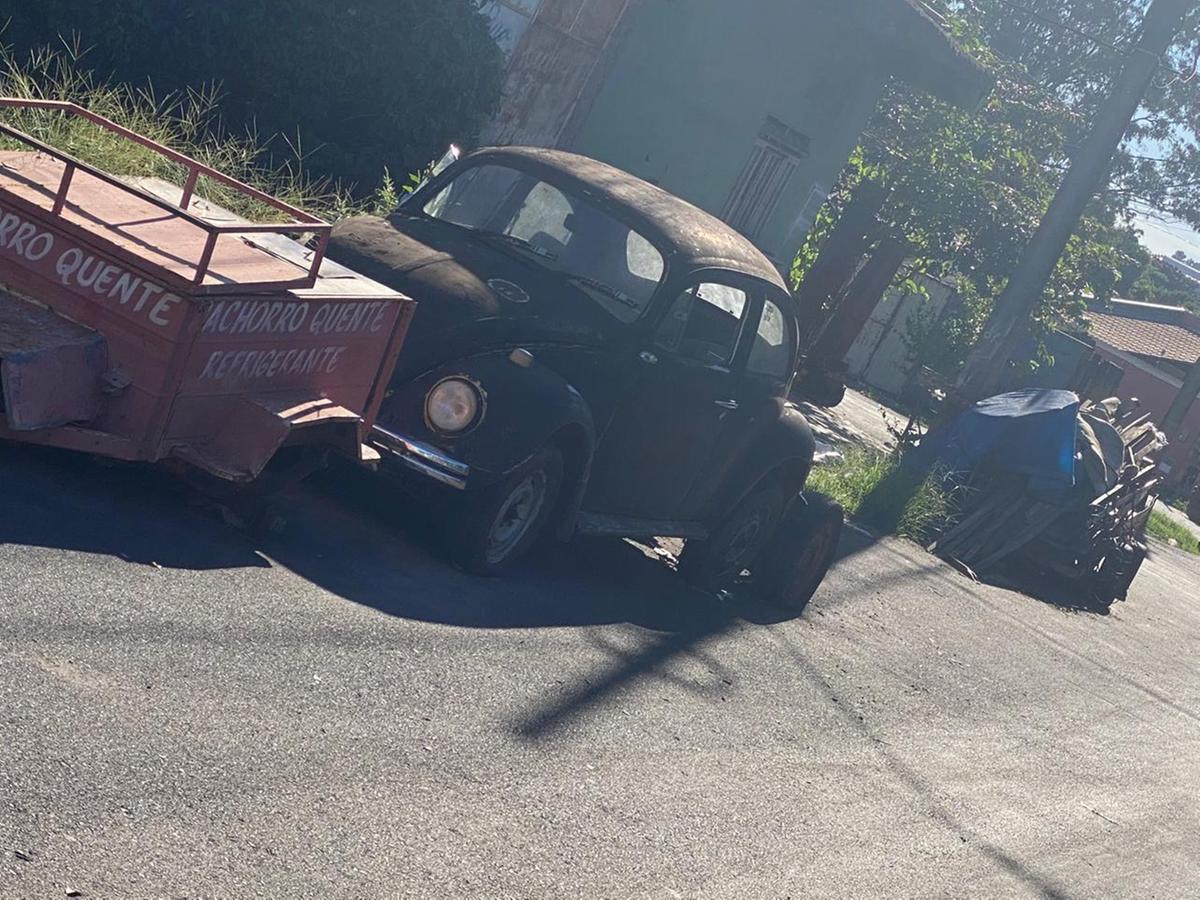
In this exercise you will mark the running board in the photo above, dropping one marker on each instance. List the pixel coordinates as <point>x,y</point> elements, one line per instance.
<point>598,525</point>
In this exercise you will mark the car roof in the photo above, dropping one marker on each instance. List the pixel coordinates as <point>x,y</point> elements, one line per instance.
<point>693,235</point>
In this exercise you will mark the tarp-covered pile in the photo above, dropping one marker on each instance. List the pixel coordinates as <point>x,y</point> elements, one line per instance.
<point>1067,485</point>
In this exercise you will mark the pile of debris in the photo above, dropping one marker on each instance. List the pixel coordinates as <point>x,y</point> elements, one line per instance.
<point>1052,483</point>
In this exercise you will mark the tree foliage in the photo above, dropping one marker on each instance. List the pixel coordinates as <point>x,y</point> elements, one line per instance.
<point>1074,50</point>
<point>1159,283</point>
<point>355,87</point>
<point>968,188</point>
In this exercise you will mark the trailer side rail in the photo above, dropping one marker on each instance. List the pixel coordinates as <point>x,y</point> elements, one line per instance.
<point>299,219</point>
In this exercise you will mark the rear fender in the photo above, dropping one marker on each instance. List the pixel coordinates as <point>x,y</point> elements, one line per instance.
<point>782,450</point>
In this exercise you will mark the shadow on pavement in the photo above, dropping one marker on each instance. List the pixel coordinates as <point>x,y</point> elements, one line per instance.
<point>1047,588</point>
<point>369,547</point>
<point>343,534</point>
<point>376,549</point>
<point>53,498</point>
<point>933,799</point>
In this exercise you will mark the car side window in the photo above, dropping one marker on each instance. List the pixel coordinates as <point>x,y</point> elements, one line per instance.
<point>772,351</point>
<point>703,324</point>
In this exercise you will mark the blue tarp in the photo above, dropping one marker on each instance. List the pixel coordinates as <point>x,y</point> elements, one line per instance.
<point>1029,432</point>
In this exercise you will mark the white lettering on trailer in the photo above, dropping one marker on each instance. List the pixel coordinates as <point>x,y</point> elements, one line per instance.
<point>39,247</point>
<point>233,364</point>
<point>74,267</point>
<point>24,239</point>
<point>91,274</point>
<point>290,316</point>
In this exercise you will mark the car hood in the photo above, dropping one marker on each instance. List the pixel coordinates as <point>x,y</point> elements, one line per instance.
<point>472,295</point>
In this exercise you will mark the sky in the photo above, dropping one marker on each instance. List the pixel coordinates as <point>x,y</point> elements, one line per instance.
<point>1163,236</point>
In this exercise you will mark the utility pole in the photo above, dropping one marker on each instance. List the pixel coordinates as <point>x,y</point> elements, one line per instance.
<point>984,373</point>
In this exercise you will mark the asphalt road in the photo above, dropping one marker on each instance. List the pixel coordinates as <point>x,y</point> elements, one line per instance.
<point>188,711</point>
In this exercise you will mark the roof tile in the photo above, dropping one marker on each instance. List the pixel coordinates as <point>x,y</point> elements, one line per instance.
<point>1157,339</point>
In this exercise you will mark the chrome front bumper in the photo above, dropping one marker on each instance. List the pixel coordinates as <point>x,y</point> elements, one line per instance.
<point>429,461</point>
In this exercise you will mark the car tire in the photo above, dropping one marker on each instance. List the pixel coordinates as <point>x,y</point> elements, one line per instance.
<point>714,564</point>
<point>501,524</point>
<point>794,564</point>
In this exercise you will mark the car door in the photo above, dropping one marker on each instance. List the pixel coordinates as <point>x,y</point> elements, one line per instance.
<point>764,363</point>
<point>684,396</point>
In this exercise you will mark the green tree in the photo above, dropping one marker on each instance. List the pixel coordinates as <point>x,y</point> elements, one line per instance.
<point>1074,50</point>
<point>967,189</point>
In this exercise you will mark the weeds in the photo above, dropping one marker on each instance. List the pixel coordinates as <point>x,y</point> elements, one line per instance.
<point>189,123</point>
<point>1164,528</point>
<point>875,489</point>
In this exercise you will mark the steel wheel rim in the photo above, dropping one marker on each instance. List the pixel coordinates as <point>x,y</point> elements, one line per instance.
<point>516,516</point>
<point>744,544</point>
<point>743,541</point>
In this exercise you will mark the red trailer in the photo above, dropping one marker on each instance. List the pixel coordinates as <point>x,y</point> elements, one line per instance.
<point>141,323</point>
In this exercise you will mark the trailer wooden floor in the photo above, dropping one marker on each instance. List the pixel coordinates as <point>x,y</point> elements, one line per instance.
<point>153,238</point>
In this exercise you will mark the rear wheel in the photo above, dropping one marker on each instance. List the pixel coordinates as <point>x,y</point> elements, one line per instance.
<point>794,564</point>
<point>716,563</point>
<point>500,525</point>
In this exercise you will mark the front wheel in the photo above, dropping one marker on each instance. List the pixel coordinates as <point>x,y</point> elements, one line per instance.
<point>500,525</point>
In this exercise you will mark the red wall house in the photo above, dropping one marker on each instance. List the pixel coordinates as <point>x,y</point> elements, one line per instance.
<point>1154,346</point>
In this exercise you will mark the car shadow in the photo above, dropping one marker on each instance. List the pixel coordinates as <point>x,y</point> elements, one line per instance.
<point>380,550</point>
<point>342,533</point>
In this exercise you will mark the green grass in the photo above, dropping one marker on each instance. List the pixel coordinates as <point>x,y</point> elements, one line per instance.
<point>1164,528</point>
<point>189,123</point>
<point>874,489</point>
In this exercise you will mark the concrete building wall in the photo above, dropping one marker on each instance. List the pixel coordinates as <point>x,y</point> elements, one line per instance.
<point>880,355</point>
<point>691,85</point>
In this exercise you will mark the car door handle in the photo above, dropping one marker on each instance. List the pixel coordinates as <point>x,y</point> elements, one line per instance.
<point>727,404</point>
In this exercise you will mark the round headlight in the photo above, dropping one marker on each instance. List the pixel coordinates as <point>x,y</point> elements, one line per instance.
<point>453,405</point>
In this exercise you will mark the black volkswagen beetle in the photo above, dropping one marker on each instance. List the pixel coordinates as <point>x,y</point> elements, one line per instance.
<point>592,356</point>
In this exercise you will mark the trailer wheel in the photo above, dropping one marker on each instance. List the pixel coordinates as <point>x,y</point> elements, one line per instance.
<point>501,524</point>
<point>794,564</point>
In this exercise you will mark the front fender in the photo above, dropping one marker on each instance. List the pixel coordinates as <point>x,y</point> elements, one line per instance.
<point>525,407</point>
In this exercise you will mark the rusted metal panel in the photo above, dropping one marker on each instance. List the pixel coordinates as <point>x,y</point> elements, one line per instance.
<point>252,429</point>
<point>330,349</point>
<point>50,368</point>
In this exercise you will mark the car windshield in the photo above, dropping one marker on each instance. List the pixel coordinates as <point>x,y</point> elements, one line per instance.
<point>615,265</point>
